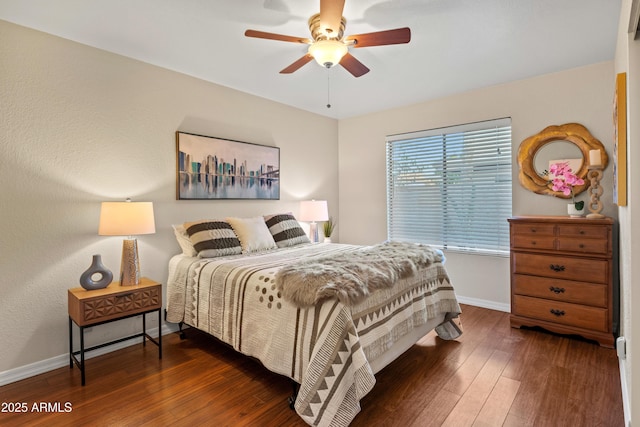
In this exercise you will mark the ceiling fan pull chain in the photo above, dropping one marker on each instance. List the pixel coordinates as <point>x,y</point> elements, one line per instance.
<point>328,89</point>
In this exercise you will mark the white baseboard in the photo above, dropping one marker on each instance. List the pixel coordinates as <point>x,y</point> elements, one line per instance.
<point>491,305</point>
<point>37,368</point>
<point>626,404</point>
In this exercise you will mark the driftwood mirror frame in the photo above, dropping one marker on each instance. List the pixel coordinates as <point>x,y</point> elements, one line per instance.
<point>570,132</point>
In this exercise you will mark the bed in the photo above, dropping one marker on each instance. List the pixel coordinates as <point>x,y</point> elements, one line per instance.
<point>332,339</point>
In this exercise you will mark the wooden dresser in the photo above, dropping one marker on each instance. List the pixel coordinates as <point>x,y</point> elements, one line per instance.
<point>562,275</point>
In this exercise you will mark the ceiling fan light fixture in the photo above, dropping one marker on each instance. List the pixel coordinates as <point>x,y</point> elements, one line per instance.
<point>328,52</point>
<point>328,44</point>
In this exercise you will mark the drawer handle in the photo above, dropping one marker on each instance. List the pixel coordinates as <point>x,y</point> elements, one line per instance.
<point>124,295</point>
<point>557,313</point>
<point>556,290</point>
<point>533,230</point>
<point>556,267</point>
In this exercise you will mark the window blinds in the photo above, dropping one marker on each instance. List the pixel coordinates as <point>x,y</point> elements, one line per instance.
<point>451,187</point>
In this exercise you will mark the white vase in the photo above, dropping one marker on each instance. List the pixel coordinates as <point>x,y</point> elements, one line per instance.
<point>573,212</point>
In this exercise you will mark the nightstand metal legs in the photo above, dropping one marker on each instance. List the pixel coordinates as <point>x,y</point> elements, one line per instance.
<point>72,354</point>
<point>157,342</point>
<point>73,359</point>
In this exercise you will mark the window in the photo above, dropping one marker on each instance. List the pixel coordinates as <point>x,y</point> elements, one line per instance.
<point>451,187</point>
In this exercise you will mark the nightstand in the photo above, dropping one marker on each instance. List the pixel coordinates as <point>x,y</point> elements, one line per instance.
<point>115,302</point>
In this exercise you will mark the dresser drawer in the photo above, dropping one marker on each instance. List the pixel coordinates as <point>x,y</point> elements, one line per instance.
<point>533,236</point>
<point>583,245</point>
<point>533,229</point>
<point>561,290</point>
<point>577,230</point>
<point>90,307</point>
<point>527,241</point>
<point>559,267</point>
<point>563,313</point>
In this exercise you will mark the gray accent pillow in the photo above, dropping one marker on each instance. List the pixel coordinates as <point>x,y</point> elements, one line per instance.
<point>286,230</point>
<point>213,238</point>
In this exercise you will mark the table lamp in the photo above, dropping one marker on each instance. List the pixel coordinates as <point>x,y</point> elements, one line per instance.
<point>312,211</point>
<point>127,219</point>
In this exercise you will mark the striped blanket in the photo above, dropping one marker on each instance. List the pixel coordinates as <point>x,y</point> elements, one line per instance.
<point>326,348</point>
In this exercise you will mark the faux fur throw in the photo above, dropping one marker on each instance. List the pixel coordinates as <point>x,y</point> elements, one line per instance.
<point>350,277</point>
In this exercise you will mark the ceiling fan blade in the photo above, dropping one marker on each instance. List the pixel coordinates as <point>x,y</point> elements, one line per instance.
<point>331,15</point>
<point>297,65</point>
<point>352,65</point>
<point>273,36</point>
<point>380,38</point>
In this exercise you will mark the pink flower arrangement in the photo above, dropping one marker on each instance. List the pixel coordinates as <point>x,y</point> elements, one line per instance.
<point>564,180</point>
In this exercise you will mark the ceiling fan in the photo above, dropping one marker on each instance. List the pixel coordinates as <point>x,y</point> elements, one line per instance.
<point>328,45</point>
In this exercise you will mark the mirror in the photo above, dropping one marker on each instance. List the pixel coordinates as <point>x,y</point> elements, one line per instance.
<point>555,151</point>
<point>568,141</point>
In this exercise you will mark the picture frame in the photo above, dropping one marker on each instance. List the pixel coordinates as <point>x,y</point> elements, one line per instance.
<point>211,168</point>
<point>620,141</point>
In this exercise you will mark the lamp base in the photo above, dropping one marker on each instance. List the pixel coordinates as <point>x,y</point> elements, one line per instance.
<point>313,232</point>
<point>130,265</point>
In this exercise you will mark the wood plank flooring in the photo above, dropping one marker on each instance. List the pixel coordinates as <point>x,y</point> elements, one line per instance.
<point>492,375</point>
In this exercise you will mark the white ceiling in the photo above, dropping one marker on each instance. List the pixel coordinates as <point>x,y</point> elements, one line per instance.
<point>456,45</point>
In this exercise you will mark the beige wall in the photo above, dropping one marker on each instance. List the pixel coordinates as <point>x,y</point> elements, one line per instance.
<point>79,126</point>
<point>630,230</point>
<point>628,60</point>
<point>581,95</point>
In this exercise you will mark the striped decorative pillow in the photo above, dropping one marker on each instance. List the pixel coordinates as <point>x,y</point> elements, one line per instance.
<point>213,238</point>
<point>286,230</point>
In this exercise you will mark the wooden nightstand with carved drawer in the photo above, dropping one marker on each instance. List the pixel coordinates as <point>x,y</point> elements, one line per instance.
<point>115,302</point>
<point>562,275</point>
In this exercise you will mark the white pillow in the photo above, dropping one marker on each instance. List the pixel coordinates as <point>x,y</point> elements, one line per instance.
<point>183,240</point>
<point>253,234</point>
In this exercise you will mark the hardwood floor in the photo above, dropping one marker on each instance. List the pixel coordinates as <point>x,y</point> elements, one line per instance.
<point>492,375</point>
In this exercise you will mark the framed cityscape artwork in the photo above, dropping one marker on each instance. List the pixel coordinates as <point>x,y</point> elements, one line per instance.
<point>215,168</point>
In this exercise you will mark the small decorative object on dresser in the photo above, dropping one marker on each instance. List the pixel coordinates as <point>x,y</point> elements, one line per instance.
<point>574,212</point>
<point>595,190</point>
<point>96,268</point>
<point>562,276</point>
<point>564,180</point>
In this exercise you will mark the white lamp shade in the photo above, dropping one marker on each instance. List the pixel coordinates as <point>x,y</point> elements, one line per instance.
<point>126,219</point>
<point>328,52</point>
<point>314,210</point>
